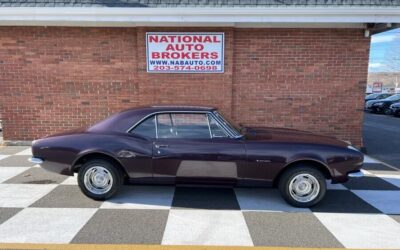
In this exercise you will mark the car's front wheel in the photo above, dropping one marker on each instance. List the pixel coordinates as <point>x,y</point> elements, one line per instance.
<point>302,186</point>
<point>99,179</point>
<point>387,111</point>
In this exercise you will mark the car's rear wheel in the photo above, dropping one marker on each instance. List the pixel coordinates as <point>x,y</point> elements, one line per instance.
<point>99,179</point>
<point>302,186</point>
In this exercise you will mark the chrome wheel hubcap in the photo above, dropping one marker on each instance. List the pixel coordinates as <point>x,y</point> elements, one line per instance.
<point>304,187</point>
<point>98,180</point>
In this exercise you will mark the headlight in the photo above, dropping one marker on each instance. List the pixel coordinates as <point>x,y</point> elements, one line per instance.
<point>378,104</point>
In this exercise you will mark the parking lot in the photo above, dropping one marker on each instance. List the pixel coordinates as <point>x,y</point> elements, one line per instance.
<point>382,137</point>
<point>40,207</point>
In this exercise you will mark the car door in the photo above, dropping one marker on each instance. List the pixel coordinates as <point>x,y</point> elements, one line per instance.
<point>194,147</point>
<point>137,155</point>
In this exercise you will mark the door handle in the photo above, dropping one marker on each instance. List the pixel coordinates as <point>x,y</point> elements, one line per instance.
<point>161,146</point>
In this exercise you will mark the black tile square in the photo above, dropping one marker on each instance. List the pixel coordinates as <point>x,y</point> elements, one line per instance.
<point>66,196</point>
<point>369,183</point>
<point>124,226</point>
<point>343,201</point>
<point>8,212</point>
<point>378,168</point>
<point>288,230</point>
<point>205,198</point>
<point>396,218</point>
<point>36,175</point>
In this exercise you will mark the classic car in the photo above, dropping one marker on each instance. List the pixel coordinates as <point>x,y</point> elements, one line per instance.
<point>196,145</point>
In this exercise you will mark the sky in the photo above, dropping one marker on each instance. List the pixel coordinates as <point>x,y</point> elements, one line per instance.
<point>385,52</point>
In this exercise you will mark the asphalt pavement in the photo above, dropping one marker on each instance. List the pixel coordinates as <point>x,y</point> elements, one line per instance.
<point>382,137</point>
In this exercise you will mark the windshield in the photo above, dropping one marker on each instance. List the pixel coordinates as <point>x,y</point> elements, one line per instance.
<point>393,97</point>
<point>371,96</point>
<point>228,124</point>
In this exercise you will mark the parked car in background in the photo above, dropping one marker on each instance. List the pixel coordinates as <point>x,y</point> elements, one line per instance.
<point>376,96</point>
<point>395,108</point>
<point>196,145</point>
<point>383,105</point>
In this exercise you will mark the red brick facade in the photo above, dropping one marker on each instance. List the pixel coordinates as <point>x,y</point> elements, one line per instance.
<point>53,79</point>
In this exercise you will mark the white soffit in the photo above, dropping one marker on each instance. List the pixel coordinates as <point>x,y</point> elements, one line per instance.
<point>280,17</point>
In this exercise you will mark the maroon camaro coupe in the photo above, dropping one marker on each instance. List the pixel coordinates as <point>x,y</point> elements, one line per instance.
<point>196,145</point>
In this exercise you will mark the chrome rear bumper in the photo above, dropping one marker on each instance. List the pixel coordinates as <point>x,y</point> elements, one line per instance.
<point>357,174</point>
<point>36,160</point>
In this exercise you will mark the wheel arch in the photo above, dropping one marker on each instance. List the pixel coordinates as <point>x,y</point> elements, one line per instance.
<point>317,164</point>
<point>82,158</point>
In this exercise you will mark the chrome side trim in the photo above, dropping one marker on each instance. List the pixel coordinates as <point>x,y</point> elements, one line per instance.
<point>209,126</point>
<point>227,131</point>
<point>156,125</point>
<point>357,174</point>
<point>36,160</point>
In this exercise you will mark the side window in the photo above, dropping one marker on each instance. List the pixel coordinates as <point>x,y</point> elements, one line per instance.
<point>216,130</point>
<point>191,125</point>
<point>147,128</point>
<point>164,126</point>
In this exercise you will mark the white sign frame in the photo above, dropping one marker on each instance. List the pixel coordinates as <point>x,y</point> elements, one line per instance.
<point>190,71</point>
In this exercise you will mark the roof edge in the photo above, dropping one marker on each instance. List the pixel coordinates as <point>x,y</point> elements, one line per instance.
<point>221,16</point>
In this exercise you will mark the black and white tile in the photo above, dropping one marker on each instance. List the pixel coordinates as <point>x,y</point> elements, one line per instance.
<point>37,206</point>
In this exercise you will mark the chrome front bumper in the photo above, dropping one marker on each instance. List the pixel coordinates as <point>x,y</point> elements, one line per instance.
<point>357,174</point>
<point>36,160</point>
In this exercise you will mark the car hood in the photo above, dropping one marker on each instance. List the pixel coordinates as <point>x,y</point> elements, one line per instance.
<point>374,101</point>
<point>385,101</point>
<point>290,136</point>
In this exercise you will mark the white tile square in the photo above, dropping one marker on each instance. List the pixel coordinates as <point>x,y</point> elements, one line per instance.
<point>45,225</point>
<point>387,201</point>
<point>367,173</point>
<point>141,197</point>
<point>368,159</point>
<point>3,156</point>
<point>9,172</point>
<point>71,180</point>
<point>22,195</point>
<point>362,230</point>
<point>392,179</point>
<point>264,199</point>
<point>27,151</point>
<point>206,227</point>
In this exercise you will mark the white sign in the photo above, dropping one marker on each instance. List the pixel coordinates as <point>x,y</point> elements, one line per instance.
<point>169,52</point>
<point>377,87</point>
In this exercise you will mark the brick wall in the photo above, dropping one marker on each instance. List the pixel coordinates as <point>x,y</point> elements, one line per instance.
<point>54,79</point>
<point>309,79</point>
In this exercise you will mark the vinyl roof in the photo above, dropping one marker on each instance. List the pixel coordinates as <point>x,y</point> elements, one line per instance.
<point>195,3</point>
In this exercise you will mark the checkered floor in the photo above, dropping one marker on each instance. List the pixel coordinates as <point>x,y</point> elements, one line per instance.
<point>40,207</point>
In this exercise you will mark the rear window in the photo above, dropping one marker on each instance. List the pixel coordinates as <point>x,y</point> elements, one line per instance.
<point>147,128</point>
